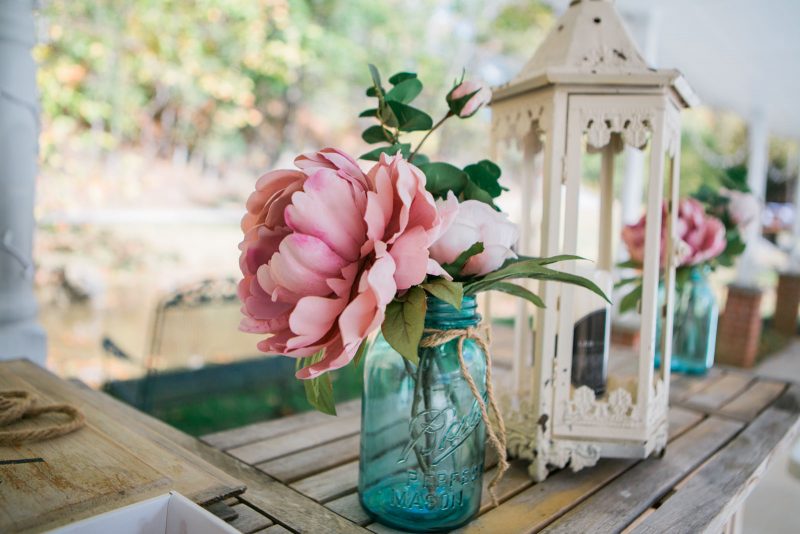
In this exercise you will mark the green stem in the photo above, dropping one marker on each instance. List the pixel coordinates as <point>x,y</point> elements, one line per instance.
<point>435,126</point>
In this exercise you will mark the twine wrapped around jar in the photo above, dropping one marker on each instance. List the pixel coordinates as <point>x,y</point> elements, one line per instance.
<point>16,405</point>
<point>481,336</point>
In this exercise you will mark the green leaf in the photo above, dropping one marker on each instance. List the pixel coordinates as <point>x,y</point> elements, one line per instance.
<point>362,349</point>
<point>376,76</point>
<point>372,91</point>
<point>375,134</point>
<point>534,270</point>
<point>441,177</point>
<point>400,77</point>
<point>319,390</point>
<point>473,192</point>
<point>454,268</point>
<point>517,291</point>
<point>369,113</point>
<point>486,175</point>
<point>375,155</point>
<point>405,91</point>
<point>631,300</point>
<point>450,292</point>
<point>404,322</point>
<point>410,119</point>
<point>420,159</point>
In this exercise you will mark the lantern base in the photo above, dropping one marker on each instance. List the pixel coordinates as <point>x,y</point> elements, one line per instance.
<point>530,439</point>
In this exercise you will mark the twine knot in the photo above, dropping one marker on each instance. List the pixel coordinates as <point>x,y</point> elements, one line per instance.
<point>18,405</point>
<point>482,337</point>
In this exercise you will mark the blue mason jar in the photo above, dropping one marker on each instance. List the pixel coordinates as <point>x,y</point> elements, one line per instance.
<point>422,436</point>
<point>694,325</point>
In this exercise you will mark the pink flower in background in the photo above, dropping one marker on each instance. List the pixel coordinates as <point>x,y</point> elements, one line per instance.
<point>327,266</point>
<point>742,207</point>
<point>477,222</point>
<point>702,236</point>
<point>473,104</point>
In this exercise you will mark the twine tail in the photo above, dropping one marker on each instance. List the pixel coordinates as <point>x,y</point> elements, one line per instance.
<point>498,440</point>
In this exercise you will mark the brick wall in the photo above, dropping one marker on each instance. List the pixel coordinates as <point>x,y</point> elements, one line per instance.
<point>788,299</point>
<point>739,327</point>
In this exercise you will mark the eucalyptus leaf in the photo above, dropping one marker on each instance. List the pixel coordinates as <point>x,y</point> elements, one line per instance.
<point>375,155</point>
<point>405,91</point>
<point>410,119</point>
<point>404,323</point>
<point>369,113</point>
<point>454,268</point>
<point>450,292</point>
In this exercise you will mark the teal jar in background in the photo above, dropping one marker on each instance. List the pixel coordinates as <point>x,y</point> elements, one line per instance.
<point>422,436</point>
<point>694,331</point>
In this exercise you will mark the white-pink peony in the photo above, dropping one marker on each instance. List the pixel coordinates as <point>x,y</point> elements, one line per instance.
<point>477,222</point>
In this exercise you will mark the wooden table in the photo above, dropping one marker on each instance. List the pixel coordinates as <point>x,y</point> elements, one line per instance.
<point>301,471</point>
<point>724,428</point>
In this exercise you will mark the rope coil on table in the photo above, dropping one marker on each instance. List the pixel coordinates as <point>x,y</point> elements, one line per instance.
<point>17,405</point>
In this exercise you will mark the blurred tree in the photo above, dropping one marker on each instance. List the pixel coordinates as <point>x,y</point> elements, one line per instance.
<point>211,79</point>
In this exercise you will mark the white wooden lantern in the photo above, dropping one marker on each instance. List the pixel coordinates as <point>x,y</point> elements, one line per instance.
<point>587,93</point>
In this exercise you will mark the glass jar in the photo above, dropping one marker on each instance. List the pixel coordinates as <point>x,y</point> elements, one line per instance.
<point>694,328</point>
<point>422,436</point>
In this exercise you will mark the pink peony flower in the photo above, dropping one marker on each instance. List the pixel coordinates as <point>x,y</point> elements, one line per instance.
<point>323,258</point>
<point>702,236</point>
<point>473,104</point>
<point>477,221</point>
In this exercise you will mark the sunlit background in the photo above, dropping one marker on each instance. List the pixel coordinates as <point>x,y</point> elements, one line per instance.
<point>158,117</point>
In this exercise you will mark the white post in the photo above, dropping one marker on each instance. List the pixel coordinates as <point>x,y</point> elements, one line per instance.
<point>757,159</point>
<point>21,336</point>
<point>633,174</point>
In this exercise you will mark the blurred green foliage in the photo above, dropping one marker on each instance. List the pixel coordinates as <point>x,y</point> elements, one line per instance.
<point>221,78</point>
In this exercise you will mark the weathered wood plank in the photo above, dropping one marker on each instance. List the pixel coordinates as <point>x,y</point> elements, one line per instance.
<point>682,386</point>
<point>620,502</point>
<point>514,480</point>
<point>718,489</point>
<point>749,404</point>
<point>223,509</point>
<point>535,507</point>
<point>305,438</point>
<point>350,507</point>
<point>719,392</point>
<point>312,461</point>
<point>275,529</point>
<point>107,464</point>
<point>264,493</point>
<point>236,437</point>
<point>330,484</point>
<point>680,420</point>
<point>249,520</point>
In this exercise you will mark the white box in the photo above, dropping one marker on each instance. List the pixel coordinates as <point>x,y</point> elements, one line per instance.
<point>171,513</point>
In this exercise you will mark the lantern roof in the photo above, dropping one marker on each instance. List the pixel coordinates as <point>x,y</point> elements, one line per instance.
<point>590,45</point>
